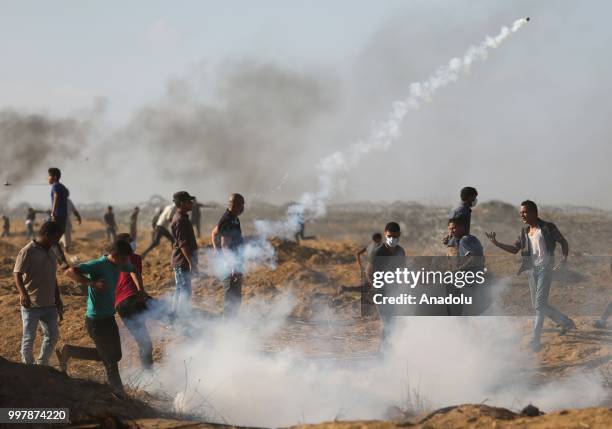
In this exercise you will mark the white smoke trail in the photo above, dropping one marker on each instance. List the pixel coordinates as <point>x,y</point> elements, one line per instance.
<point>314,204</point>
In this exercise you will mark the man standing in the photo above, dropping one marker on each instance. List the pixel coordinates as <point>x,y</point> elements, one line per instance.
<point>111,225</point>
<point>39,296</point>
<point>387,257</point>
<point>59,207</point>
<point>184,251</point>
<point>469,199</point>
<point>134,224</point>
<point>67,238</point>
<point>161,228</point>
<point>101,276</point>
<point>6,226</point>
<point>227,237</point>
<point>537,243</point>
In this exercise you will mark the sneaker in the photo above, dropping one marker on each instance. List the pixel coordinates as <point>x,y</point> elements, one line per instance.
<point>599,324</point>
<point>570,326</point>
<point>63,361</point>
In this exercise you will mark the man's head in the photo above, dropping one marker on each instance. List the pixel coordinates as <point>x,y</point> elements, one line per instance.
<point>54,175</point>
<point>109,209</point>
<point>469,195</point>
<point>392,234</point>
<point>120,252</point>
<point>236,204</point>
<point>136,209</point>
<point>457,227</point>
<point>183,201</point>
<point>125,237</point>
<point>377,237</point>
<point>528,212</point>
<point>49,234</point>
<point>30,209</point>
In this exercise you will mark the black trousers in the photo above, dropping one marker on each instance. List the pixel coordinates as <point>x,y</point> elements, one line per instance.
<point>233,295</point>
<point>105,335</point>
<point>131,311</point>
<point>158,233</point>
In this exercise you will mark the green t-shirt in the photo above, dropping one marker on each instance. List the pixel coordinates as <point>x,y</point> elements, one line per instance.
<point>102,304</point>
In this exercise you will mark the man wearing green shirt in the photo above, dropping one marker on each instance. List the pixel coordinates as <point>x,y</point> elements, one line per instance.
<point>101,276</point>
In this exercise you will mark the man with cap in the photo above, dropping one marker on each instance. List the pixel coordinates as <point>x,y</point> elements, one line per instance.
<point>227,237</point>
<point>184,250</point>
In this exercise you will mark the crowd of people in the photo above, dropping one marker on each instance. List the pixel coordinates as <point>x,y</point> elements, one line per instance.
<point>115,283</point>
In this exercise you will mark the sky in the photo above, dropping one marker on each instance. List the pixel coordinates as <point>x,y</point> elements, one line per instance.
<point>239,96</point>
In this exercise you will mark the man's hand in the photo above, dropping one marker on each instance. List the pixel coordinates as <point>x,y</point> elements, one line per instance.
<point>562,263</point>
<point>99,285</point>
<point>492,236</point>
<point>446,239</point>
<point>24,300</point>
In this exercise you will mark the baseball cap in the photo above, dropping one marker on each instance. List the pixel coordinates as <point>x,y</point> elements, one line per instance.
<point>182,196</point>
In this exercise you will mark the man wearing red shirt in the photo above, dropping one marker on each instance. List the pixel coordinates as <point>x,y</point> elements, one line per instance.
<point>131,304</point>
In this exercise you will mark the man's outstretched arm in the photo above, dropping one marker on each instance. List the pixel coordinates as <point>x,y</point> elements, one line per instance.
<point>510,248</point>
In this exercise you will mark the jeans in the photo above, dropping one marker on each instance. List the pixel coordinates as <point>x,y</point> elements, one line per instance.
<point>182,293</point>
<point>105,335</point>
<point>29,230</point>
<point>131,311</point>
<point>233,295</point>
<point>158,233</point>
<point>540,279</point>
<point>111,234</point>
<point>48,318</point>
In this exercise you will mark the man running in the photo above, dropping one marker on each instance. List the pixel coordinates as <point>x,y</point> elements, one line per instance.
<point>184,252</point>
<point>161,228</point>
<point>59,207</point>
<point>111,225</point>
<point>101,276</point>
<point>537,243</point>
<point>227,237</point>
<point>39,296</point>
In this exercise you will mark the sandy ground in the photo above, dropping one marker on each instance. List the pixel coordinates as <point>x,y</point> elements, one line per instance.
<point>315,272</point>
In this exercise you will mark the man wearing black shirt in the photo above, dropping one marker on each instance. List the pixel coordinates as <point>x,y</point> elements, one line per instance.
<point>227,237</point>
<point>389,256</point>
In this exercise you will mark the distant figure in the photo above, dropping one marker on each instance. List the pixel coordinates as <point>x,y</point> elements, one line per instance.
<point>196,215</point>
<point>30,220</point>
<point>602,322</point>
<point>134,224</point>
<point>227,237</point>
<point>184,252</point>
<point>59,207</point>
<point>298,213</point>
<point>6,226</point>
<point>39,296</point>
<point>67,238</point>
<point>111,225</point>
<point>469,199</point>
<point>537,243</point>
<point>161,228</point>
<point>387,257</point>
<point>131,304</point>
<point>101,276</point>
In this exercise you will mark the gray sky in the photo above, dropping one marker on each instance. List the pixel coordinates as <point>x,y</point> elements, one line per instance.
<point>219,97</point>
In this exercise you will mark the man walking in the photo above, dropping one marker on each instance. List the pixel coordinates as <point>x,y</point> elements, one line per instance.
<point>59,207</point>
<point>39,296</point>
<point>101,276</point>
<point>111,225</point>
<point>227,237</point>
<point>161,228</point>
<point>387,257</point>
<point>537,243</point>
<point>67,238</point>
<point>184,251</point>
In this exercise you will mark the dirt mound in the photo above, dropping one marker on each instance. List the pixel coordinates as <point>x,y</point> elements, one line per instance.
<point>39,386</point>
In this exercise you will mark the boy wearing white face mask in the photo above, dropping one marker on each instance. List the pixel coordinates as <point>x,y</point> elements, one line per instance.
<point>469,199</point>
<point>388,256</point>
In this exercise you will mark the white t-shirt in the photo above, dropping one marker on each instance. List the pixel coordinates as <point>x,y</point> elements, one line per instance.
<point>538,248</point>
<point>166,216</point>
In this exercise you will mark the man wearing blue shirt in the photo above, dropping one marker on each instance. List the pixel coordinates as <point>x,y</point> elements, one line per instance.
<point>59,206</point>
